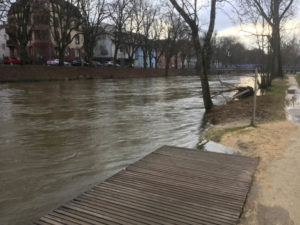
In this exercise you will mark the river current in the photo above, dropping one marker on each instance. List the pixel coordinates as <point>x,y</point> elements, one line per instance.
<point>57,139</point>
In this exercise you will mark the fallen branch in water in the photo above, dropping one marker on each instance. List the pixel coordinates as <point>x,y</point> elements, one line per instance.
<point>242,92</point>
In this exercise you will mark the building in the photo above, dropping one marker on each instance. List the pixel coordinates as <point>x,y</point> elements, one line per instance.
<point>42,46</point>
<point>139,59</point>
<point>4,50</point>
<point>105,46</point>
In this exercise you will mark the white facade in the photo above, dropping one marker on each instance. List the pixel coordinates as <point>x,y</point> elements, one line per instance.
<point>4,50</point>
<point>105,48</point>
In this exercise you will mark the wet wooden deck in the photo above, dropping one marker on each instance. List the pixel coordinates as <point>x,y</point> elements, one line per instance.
<point>170,186</point>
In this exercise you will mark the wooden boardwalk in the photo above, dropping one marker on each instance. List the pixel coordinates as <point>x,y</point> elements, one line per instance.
<point>170,186</point>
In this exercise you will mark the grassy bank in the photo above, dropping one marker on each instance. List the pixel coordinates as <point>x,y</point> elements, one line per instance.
<point>47,73</point>
<point>298,78</point>
<point>236,115</point>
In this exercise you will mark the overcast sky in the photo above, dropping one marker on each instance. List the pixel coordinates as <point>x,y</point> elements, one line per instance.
<point>227,25</point>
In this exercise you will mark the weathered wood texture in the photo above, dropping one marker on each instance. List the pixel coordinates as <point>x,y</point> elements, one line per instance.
<point>170,186</point>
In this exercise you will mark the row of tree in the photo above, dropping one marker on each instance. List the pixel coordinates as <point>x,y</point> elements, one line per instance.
<point>159,29</point>
<point>256,12</point>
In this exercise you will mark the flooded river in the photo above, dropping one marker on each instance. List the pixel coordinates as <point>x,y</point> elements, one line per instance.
<point>57,139</point>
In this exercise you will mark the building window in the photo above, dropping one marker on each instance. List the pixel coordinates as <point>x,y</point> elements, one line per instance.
<point>3,46</point>
<point>77,53</point>
<point>5,37</point>
<point>77,40</point>
<point>67,52</point>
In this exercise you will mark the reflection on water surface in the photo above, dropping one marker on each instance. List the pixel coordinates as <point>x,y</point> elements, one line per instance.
<point>59,138</point>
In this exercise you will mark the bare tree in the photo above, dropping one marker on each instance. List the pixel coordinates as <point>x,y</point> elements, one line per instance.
<point>93,13</point>
<point>157,44</point>
<point>134,25</point>
<point>189,11</point>
<point>119,13</point>
<point>20,26</point>
<point>291,52</point>
<point>175,32</point>
<point>149,13</point>
<point>274,13</point>
<point>185,48</point>
<point>65,21</point>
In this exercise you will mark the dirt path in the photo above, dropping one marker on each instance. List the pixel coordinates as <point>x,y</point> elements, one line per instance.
<point>274,198</point>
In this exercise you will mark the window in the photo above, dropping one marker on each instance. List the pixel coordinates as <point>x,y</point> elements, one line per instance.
<point>77,40</point>
<point>67,52</point>
<point>5,37</point>
<point>77,53</point>
<point>3,46</point>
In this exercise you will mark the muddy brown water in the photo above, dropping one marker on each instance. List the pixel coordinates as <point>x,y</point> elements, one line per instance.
<point>57,139</point>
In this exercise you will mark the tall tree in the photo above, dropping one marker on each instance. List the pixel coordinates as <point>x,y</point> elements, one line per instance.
<point>65,21</point>
<point>119,13</point>
<point>189,12</point>
<point>93,13</point>
<point>175,32</point>
<point>132,38</point>
<point>149,13</point>
<point>21,26</point>
<point>157,44</point>
<point>274,12</point>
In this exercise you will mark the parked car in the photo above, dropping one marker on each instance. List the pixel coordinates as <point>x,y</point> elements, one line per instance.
<point>111,63</point>
<point>97,64</point>
<point>55,62</point>
<point>11,60</point>
<point>79,63</point>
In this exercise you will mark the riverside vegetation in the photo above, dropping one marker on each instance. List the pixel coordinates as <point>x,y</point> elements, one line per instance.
<point>273,198</point>
<point>237,114</point>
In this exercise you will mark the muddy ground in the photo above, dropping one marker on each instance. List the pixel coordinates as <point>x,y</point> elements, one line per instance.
<point>274,198</point>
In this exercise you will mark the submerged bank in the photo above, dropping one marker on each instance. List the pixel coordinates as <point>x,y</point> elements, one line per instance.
<point>274,197</point>
<point>49,73</point>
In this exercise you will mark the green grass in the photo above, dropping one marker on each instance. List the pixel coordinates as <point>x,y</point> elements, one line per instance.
<point>270,107</point>
<point>298,78</point>
<point>279,87</point>
<point>277,93</point>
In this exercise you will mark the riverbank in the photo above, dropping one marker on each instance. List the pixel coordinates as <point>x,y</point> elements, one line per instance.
<point>298,78</point>
<point>274,196</point>
<point>49,73</point>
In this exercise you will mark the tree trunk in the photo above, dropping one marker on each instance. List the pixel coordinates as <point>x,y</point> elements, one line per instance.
<point>145,59</point>
<point>23,54</point>
<point>150,59</point>
<point>167,65</point>
<point>196,40</point>
<point>176,61</point>
<point>182,58</point>
<point>116,55</point>
<point>203,76</point>
<point>276,64</point>
<point>61,57</point>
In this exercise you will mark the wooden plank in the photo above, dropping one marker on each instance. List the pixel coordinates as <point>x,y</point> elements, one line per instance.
<point>169,186</point>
